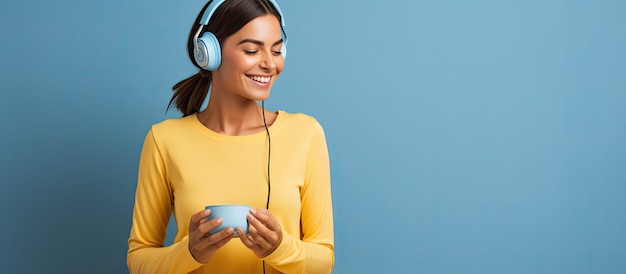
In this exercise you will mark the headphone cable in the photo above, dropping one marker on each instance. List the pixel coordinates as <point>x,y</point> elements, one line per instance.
<point>269,149</point>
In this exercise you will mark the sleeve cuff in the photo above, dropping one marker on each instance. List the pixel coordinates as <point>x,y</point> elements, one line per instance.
<point>283,251</point>
<point>185,255</point>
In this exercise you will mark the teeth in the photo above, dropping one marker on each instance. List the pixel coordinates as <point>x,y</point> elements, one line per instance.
<point>262,79</point>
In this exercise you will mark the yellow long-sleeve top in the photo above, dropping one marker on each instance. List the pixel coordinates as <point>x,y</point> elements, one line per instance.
<point>185,166</point>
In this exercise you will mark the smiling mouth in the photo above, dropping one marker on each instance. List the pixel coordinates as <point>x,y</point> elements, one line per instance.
<point>260,79</point>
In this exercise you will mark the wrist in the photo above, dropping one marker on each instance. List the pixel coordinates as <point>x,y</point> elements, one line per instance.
<point>197,255</point>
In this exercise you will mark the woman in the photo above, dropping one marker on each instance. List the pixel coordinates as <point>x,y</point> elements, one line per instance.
<point>234,152</point>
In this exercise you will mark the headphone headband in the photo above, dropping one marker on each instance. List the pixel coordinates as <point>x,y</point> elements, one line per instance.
<point>208,13</point>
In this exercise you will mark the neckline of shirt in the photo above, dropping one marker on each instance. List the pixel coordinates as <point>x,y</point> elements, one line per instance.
<point>238,138</point>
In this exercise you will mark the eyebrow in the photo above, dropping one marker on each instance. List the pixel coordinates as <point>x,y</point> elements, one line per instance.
<point>257,42</point>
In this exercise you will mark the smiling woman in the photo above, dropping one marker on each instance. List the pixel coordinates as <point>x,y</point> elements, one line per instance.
<point>254,63</point>
<point>222,155</point>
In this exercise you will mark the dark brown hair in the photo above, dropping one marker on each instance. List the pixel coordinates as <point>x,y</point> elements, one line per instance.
<point>230,17</point>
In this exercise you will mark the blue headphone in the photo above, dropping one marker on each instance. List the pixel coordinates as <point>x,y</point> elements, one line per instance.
<point>207,52</point>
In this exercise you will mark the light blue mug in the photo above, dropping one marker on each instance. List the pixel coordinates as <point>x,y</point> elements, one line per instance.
<point>232,216</point>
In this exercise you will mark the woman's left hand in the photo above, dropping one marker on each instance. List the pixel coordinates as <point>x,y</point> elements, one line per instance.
<point>264,233</point>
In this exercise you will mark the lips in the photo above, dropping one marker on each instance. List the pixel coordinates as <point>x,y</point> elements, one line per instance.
<point>259,78</point>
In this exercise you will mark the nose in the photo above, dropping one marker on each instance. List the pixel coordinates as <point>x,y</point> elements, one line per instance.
<point>267,62</point>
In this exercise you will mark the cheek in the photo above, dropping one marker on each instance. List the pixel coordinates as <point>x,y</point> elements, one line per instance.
<point>280,65</point>
<point>236,64</point>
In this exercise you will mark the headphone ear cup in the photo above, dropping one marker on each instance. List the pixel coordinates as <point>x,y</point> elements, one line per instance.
<point>207,52</point>
<point>199,53</point>
<point>283,51</point>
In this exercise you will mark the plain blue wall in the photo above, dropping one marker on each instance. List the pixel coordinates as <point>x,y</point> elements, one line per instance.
<point>465,136</point>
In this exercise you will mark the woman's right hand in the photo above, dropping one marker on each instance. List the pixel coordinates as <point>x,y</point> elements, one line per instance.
<point>203,245</point>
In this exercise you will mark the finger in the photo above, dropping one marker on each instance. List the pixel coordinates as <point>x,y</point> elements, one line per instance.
<point>210,239</point>
<point>262,236</point>
<point>225,240</point>
<point>220,236</point>
<point>245,239</point>
<point>197,218</point>
<point>200,236</point>
<point>259,226</point>
<point>205,227</point>
<point>217,240</point>
<point>266,218</point>
<point>259,240</point>
<point>196,230</point>
<point>200,218</point>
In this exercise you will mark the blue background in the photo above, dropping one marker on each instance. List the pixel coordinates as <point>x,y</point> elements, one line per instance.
<point>465,136</point>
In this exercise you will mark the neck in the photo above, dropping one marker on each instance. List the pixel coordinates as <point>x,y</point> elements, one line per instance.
<point>232,117</point>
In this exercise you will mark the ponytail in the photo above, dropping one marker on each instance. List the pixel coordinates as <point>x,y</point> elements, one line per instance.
<point>189,94</point>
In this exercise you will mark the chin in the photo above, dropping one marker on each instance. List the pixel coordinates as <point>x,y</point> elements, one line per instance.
<point>261,97</point>
<point>258,94</point>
